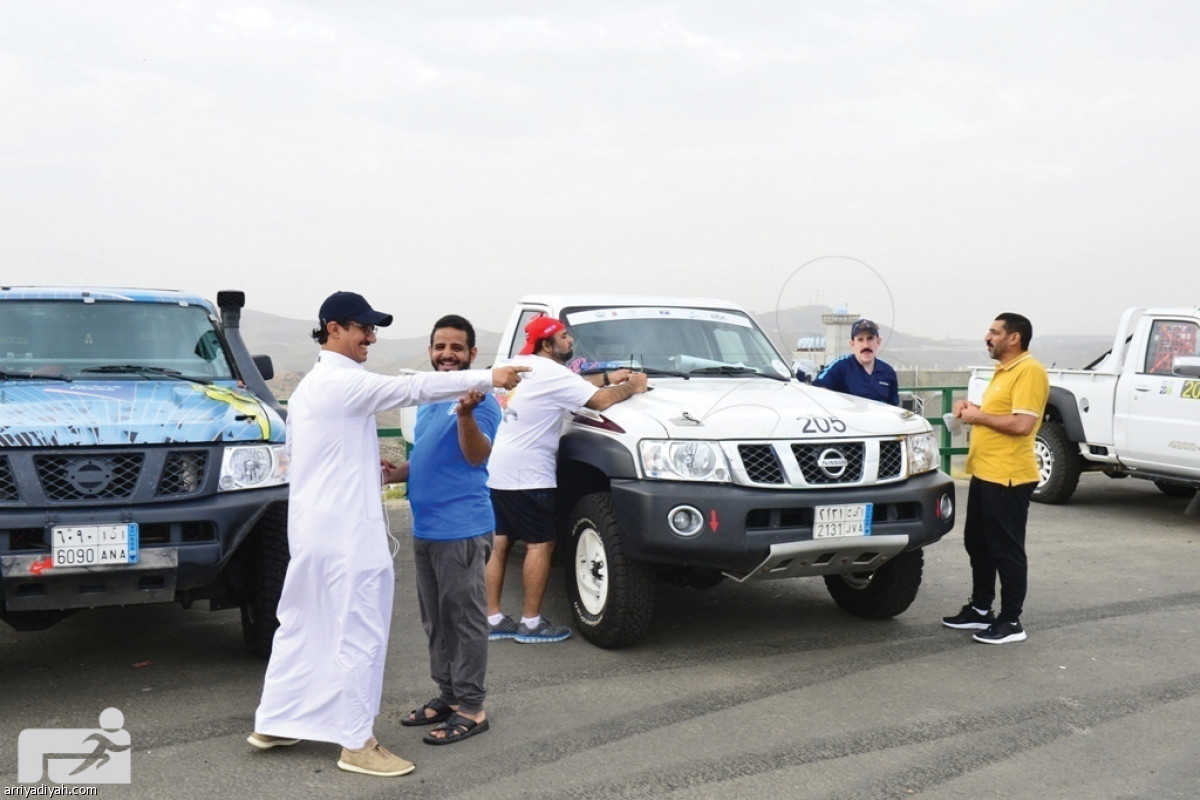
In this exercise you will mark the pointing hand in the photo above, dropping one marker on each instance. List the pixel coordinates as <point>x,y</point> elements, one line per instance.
<point>507,377</point>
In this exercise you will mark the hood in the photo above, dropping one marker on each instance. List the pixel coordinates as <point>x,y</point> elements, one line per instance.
<point>757,408</point>
<point>57,414</point>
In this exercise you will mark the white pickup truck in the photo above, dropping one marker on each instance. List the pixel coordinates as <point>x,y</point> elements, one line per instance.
<point>1134,412</point>
<point>728,467</point>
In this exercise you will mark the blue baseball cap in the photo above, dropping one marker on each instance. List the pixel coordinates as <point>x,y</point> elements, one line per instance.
<point>352,306</point>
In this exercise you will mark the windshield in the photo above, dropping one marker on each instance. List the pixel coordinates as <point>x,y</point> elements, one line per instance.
<point>109,341</point>
<point>688,341</point>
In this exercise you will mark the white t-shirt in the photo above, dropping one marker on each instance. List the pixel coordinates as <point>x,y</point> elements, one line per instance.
<point>526,447</point>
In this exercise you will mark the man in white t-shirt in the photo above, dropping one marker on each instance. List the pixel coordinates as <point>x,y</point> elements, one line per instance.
<point>522,469</point>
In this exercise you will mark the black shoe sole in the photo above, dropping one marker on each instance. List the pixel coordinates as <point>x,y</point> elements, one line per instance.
<point>967,626</point>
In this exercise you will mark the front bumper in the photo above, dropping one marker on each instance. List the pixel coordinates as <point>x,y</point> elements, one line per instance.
<point>764,533</point>
<point>185,545</point>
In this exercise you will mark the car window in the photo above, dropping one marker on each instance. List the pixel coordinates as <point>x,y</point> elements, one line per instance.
<point>1168,339</point>
<point>518,340</point>
<point>72,339</point>
<point>672,338</point>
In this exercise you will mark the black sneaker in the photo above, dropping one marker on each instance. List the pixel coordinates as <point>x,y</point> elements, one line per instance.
<point>1001,633</point>
<point>970,620</point>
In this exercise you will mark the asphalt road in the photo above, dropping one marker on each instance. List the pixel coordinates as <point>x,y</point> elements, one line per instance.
<point>766,690</point>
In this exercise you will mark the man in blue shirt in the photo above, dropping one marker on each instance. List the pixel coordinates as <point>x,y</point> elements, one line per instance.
<point>860,372</point>
<point>453,528</point>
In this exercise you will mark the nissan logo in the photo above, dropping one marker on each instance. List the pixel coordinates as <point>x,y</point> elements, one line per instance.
<point>89,476</point>
<point>832,462</point>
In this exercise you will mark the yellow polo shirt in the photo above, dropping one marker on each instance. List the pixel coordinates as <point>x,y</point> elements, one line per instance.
<point>1019,387</point>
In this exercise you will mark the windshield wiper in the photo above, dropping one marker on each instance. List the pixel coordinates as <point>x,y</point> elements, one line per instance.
<point>730,369</point>
<point>33,376</point>
<point>674,373</point>
<point>146,372</point>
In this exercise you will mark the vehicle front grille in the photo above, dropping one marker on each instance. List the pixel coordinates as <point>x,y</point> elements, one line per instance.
<point>793,464</point>
<point>891,458</point>
<point>761,463</point>
<point>784,519</point>
<point>183,473</point>
<point>111,476</point>
<point>8,484</point>
<point>837,462</point>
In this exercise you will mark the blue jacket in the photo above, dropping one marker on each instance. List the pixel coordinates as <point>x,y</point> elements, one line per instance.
<point>845,374</point>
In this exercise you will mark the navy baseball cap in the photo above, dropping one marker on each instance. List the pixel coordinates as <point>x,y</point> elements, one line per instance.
<point>352,306</point>
<point>864,326</point>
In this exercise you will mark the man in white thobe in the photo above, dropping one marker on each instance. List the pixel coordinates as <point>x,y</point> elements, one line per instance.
<point>325,677</point>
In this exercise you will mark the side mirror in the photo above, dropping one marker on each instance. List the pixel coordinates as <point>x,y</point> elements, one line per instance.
<point>265,367</point>
<point>910,401</point>
<point>1187,366</point>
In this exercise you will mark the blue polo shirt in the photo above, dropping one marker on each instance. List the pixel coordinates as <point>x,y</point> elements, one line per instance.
<point>844,374</point>
<point>449,497</point>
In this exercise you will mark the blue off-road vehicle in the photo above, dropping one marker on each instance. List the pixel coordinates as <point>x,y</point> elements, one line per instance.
<point>142,457</point>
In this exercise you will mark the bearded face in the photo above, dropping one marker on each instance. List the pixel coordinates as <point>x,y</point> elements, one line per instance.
<point>449,351</point>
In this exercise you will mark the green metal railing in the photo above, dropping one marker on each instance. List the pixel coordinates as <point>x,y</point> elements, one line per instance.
<point>396,433</point>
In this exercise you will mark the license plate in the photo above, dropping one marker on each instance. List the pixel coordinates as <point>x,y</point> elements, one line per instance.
<point>94,545</point>
<point>849,520</point>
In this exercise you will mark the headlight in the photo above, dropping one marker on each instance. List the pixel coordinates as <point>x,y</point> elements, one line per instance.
<point>684,461</point>
<point>923,453</point>
<point>253,467</point>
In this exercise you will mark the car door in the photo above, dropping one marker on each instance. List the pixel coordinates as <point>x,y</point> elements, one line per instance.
<point>1157,421</point>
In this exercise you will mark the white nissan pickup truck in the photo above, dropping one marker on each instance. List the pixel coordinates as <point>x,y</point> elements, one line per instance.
<point>1133,412</point>
<point>728,467</point>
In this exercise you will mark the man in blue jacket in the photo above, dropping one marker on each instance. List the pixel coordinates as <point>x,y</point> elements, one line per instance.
<point>860,372</point>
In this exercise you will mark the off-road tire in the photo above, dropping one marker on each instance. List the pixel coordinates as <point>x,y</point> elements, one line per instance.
<point>1175,489</point>
<point>1059,464</point>
<point>611,595</point>
<point>267,559</point>
<point>882,594</point>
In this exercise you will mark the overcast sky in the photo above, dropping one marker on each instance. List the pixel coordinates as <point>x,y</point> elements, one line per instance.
<point>964,157</point>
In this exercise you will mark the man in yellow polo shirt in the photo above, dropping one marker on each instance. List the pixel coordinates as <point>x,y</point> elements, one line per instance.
<point>1004,473</point>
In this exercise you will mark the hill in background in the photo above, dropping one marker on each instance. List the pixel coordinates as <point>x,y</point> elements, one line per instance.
<point>290,345</point>
<point>292,350</point>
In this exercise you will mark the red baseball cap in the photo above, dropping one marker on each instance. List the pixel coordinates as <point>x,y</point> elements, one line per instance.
<point>537,329</point>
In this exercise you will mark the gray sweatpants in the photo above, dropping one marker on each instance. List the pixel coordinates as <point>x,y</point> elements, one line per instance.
<point>453,598</point>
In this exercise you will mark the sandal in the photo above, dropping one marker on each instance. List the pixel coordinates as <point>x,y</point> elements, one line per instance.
<point>417,716</point>
<point>457,728</point>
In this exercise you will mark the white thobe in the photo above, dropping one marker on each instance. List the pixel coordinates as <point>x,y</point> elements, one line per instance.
<point>325,677</point>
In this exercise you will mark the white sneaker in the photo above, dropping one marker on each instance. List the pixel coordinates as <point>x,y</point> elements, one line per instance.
<point>265,742</point>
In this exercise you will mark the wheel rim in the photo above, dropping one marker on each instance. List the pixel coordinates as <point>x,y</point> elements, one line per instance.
<point>591,571</point>
<point>1045,461</point>
<point>858,580</point>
